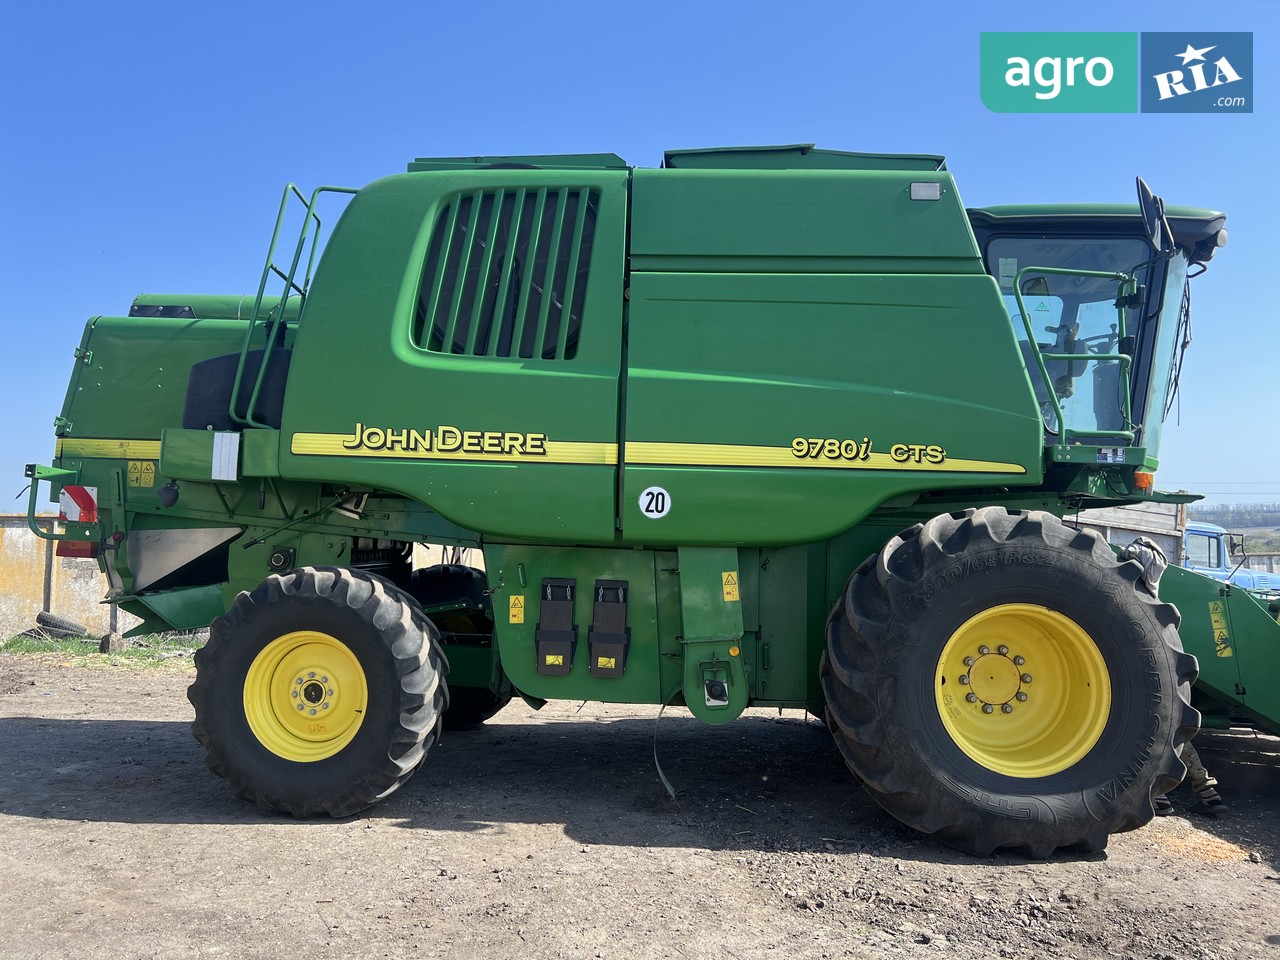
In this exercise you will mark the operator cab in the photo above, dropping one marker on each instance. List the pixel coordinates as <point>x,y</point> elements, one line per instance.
<point>1098,298</point>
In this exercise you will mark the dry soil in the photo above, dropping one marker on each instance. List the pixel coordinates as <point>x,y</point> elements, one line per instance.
<point>548,834</point>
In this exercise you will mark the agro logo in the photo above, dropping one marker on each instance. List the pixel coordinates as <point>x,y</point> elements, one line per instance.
<point>1174,83</point>
<point>1059,72</point>
<point>1197,73</point>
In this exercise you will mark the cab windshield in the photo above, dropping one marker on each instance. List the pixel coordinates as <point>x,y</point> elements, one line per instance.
<point>1073,314</point>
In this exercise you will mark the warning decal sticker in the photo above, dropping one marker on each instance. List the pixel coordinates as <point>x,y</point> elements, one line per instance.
<point>1221,636</point>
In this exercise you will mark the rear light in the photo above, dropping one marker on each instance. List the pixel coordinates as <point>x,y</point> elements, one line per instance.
<point>76,548</point>
<point>1143,480</point>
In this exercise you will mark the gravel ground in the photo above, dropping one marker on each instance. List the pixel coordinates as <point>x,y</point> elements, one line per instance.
<point>548,834</point>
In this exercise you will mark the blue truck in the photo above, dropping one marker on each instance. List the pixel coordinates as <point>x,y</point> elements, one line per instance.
<point>1209,549</point>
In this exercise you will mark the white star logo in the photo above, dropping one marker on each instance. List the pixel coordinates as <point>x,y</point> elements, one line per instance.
<point>1191,53</point>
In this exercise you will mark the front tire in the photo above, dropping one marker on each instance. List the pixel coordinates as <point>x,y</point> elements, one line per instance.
<point>999,680</point>
<point>319,692</point>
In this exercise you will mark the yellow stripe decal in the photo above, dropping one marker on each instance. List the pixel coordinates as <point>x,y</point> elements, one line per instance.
<point>75,449</point>
<point>570,451</point>
<point>730,455</point>
<point>556,451</point>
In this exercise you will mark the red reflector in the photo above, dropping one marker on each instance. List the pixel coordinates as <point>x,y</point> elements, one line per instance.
<point>79,503</point>
<point>76,548</point>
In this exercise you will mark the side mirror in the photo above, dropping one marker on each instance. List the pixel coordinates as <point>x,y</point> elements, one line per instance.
<point>1152,217</point>
<point>1235,544</point>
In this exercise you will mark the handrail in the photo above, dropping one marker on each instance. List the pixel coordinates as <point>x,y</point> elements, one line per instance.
<point>276,317</point>
<point>1127,286</point>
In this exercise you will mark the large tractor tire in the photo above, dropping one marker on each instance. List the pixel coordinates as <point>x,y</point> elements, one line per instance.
<point>997,679</point>
<point>319,692</point>
<point>453,583</point>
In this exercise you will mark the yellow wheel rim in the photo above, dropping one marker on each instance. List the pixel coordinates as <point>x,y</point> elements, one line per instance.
<point>1023,690</point>
<point>305,696</point>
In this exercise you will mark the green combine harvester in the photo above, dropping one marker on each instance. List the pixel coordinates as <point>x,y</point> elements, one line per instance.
<point>773,426</point>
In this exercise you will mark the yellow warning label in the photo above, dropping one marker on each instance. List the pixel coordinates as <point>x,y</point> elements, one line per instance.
<point>517,610</point>
<point>606,663</point>
<point>729,579</point>
<point>1221,635</point>
<point>555,660</point>
<point>1217,615</point>
<point>142,473</point>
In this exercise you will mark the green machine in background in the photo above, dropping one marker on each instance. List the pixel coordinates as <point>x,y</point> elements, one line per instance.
<point>769,426</point>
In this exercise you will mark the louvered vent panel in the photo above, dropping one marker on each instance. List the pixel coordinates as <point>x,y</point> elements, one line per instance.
<point>506,274</point>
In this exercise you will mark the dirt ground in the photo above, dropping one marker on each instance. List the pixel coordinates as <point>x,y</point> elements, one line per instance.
<point>549,834</point>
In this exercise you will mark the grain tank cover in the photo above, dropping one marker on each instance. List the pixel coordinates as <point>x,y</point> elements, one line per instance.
<point>565,161</point>
<point>797,156</point>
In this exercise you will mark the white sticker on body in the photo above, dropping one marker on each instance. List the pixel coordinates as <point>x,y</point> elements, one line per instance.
<point>655,502</point>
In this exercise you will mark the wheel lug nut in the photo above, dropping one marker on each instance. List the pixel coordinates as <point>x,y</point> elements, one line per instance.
<point>331,693</point>
<point>1026,678</point>
<point>311,675</point>
<point>971,697</point>
<point>964,678</point>
<point>1019,661</point>
<point>299,681</point>
<point>1007,708</point>
<point>987,708</point>
<point>324,679</point>
<point>984,650</point>
<point>1002,650</point>
<point>313,711</point>
<point>968,661</point>
<point>325,705</point>
<point>294,694</point>
<point>1022,697</point>
<point>299,706</point>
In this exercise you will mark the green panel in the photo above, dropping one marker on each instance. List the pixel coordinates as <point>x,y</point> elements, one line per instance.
<point>1236,640</point>
<point>136,381</point>
<point>472,666</point>
<point>1086,453</point>
<point>793,613</point>
<point>710,593</point>
<point>186,454</point>
<point>187,608</point>
<point>917,381</point>
<point>652,669</point>
<point>797,156</point>
<point>1043,211</point>
<point>1193,594</point>
<point>207,307</point>
<point>260,453</point>
<point>798,213</point>
<point>359,318</point>
<point>567,161</point>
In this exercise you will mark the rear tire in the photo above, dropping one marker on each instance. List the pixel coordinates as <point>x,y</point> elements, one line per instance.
<point>319,692</point>
<point>1076,658</point>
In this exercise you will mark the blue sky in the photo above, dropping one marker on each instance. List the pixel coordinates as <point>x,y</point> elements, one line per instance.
<point>146,145</point>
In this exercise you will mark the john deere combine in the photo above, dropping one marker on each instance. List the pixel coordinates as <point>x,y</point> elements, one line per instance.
<point>767,426</point>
